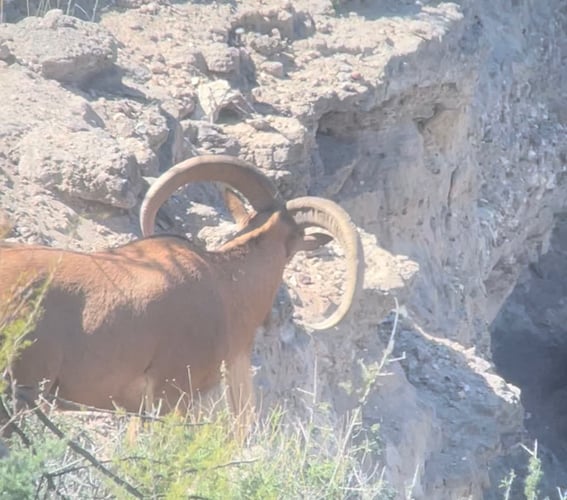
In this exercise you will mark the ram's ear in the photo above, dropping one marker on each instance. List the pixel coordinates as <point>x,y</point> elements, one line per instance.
<point>236,207</point>
<point>312,241</point>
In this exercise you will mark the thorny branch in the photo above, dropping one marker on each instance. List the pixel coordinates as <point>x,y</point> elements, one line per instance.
<point>44,419</point>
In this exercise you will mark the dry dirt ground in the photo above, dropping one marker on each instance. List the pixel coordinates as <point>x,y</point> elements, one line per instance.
<point>440,127</point>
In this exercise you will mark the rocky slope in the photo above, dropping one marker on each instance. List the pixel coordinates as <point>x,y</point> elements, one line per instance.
<point>439,126</point>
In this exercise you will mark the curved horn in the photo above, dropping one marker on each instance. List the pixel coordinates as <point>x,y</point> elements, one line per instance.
<point>309,211</point>
<point>5,224</point>
<point>258,189</point>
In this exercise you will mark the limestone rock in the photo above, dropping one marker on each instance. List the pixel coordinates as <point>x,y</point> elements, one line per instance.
<point>62,48</point>
<point>274,68</point>
<point>218,96</point>
<point>87,165</point>
<point>220,58</point>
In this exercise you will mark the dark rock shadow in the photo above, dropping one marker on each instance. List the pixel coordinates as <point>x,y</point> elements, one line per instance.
<point>529,345</point>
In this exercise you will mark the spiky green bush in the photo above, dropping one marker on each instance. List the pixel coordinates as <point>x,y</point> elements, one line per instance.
<point>284,458</point>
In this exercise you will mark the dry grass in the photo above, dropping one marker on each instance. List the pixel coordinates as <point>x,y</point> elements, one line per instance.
<point>176,457</point>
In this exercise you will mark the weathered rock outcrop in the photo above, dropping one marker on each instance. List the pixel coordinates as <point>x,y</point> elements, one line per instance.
<point>59,47</point>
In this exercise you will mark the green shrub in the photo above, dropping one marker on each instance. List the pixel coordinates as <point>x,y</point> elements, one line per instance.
<point>282,460</point>
<point>24,473</point>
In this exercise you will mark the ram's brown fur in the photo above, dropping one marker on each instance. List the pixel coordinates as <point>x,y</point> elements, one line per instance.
<point>155,318</point>
<point>112,304</point>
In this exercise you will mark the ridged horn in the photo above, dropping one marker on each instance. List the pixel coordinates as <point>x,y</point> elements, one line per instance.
<point>5,224</point>
<point>311,211</point>
<point>258,189</point>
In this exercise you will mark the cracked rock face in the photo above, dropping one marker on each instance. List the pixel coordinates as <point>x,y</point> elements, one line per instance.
<point>60,47</point>
<point>67,164</point>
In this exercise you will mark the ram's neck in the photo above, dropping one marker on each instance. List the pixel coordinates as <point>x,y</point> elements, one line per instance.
<point>251,269</point>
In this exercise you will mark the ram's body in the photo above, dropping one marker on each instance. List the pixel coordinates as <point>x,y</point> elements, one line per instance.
<point>129,322</point>
<point>155,319</point>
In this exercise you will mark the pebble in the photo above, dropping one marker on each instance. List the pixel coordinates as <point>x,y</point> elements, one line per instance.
<point>150,8</point>
<point>158,68</point>
<point>273,68</point>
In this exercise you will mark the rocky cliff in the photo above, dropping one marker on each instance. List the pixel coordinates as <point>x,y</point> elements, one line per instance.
<point>439,126</point>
